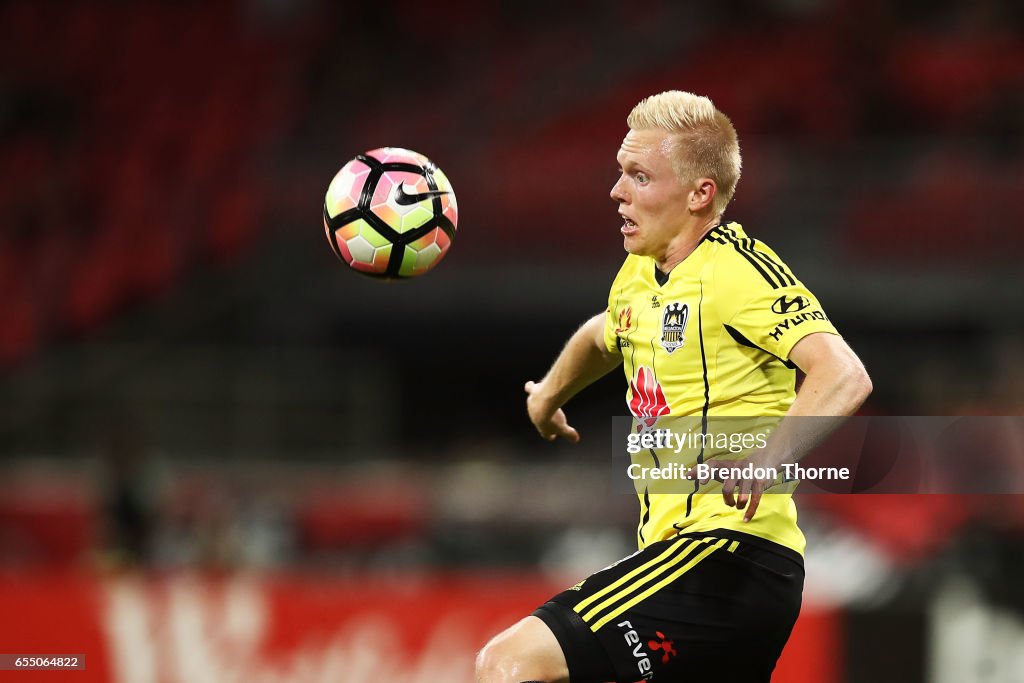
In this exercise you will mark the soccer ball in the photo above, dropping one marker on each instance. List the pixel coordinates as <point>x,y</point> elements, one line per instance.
<point>390,213</point>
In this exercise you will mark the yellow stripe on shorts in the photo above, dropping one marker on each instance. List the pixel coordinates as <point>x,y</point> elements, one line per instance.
<point>582,605</point>
<point>661,584</point>
<point>656,567</point>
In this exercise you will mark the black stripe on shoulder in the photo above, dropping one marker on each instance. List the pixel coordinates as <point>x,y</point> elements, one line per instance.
<point>749,244</point>
<point>778,265</point>
<point>759,265</point>
<point>714,235</point>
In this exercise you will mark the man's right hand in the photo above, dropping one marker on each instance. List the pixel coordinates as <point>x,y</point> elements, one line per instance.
<point>549,420</point>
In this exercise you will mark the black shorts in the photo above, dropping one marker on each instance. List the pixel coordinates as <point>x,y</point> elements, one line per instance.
<point>719,605</point>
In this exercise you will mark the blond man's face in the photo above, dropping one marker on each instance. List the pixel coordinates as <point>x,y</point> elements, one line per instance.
<point>652,200</point>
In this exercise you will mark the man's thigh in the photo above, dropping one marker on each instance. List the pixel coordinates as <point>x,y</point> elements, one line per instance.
<point>526,651</point>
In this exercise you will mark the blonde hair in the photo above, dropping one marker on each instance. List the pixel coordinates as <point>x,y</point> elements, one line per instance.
<point>707,143</point>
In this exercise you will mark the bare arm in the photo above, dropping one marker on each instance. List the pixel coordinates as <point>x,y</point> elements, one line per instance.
<point>583,361</point>
<point>835,386</point>
<point>836,383</point>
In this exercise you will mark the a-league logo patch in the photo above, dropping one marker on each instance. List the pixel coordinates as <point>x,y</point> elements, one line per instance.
<point>673,324</point>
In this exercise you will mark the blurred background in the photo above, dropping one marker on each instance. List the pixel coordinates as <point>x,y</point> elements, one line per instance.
<point>225,456</point>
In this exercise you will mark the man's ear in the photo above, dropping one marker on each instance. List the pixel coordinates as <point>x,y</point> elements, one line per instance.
<point>702,195</point>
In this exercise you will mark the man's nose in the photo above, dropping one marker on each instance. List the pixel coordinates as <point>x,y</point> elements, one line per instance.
<point>618,193</point>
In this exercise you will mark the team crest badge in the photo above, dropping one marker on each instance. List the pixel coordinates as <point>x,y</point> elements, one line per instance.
<point>673,324</point>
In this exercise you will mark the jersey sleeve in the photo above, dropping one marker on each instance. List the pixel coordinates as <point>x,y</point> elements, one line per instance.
<point>612,312</point>
<point>763,303</point>
<point>611,342</point>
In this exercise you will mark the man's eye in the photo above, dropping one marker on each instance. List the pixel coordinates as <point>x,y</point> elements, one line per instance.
<point>641,177</point>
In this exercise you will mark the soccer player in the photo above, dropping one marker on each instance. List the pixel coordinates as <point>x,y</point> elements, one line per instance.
<point>706,322</point>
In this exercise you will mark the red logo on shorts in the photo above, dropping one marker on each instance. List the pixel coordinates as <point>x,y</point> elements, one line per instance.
<point>667,647</point>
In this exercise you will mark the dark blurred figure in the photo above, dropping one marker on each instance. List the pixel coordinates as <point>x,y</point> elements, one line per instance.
<point>128,501</point>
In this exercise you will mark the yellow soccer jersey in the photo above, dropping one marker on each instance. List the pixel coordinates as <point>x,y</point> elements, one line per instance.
<point>713,339</point>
